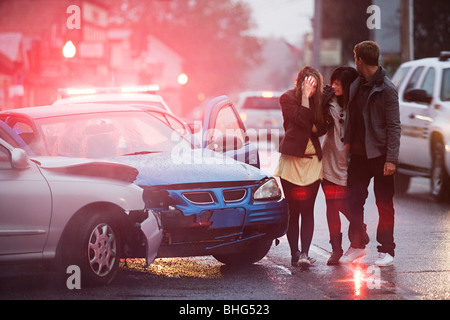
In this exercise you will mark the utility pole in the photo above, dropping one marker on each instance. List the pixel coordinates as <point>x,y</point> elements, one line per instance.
<point>407,30</point>
<point>317,26</point>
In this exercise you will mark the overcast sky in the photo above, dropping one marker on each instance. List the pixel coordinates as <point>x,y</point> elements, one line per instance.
<point>282,18</point>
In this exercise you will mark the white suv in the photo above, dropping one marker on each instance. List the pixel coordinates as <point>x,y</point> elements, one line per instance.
<point>424,97</point>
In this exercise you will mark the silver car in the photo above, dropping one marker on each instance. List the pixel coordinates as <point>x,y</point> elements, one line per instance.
<point>81,212</point>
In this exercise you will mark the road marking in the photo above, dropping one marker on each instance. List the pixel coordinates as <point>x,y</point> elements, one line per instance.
<point>286,270</point>
<point>320,251</point>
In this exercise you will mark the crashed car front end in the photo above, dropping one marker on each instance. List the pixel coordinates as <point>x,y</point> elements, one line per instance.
<point>217,218</point>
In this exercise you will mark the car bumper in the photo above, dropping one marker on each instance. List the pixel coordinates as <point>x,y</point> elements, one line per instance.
<point>153,234</point>
<point>205,234</point>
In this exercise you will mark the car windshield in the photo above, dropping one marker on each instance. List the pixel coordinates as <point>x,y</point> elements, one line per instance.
<point>107,134</point>
<point>260,103</point>
<point>445,89</point>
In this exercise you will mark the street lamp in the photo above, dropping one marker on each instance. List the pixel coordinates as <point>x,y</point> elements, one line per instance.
<point>69,50</point>
<point>183,79</point>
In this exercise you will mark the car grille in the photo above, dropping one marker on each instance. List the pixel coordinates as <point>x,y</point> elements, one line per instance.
<point>205,197</point>
<point>200,197</point>
<point>234,195</point>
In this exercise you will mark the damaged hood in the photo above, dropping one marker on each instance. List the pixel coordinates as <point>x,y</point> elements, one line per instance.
<point>161,169</point>
<point>88,168</point>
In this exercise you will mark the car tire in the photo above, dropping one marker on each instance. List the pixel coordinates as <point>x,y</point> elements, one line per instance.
<point>94,246</point>
<point>249,255</point>
<point>440,180</point>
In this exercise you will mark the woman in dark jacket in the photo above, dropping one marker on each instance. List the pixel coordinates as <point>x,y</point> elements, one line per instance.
<point>300,163</point>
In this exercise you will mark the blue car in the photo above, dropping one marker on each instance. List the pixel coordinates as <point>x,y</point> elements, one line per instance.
<point>211,194</point>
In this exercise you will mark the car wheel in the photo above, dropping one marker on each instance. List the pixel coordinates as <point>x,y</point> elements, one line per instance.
<point>401,183</point>
<point>440,181</point>
<point>95,249</point>
<point>250,254</point>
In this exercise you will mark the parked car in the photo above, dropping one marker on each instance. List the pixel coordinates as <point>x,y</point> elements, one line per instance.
<point>211,200</point>
<point>140,95</point>
<point>143,97</point>
<point>424,97</point>
<point>72,212</point>
<point>261,114</point>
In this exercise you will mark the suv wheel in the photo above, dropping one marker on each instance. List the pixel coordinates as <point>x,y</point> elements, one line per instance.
<point>440,181</point>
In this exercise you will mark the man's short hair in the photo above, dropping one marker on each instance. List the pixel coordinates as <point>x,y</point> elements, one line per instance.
<point>368,51</point>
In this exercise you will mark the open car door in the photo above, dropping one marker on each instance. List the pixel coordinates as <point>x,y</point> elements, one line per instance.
<point>225,133</point>
<point>10,136</point>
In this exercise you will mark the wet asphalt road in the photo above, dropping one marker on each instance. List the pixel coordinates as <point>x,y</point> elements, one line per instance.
<point>421,269</point>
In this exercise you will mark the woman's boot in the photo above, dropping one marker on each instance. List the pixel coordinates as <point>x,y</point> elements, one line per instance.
<point>336,246</point>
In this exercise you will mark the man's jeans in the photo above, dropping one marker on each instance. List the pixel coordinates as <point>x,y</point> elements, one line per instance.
<point>360,172</point>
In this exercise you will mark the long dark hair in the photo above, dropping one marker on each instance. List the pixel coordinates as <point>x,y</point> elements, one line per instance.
<point>315,102</point>
<point>346,75</point>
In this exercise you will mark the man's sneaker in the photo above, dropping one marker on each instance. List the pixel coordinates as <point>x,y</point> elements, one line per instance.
<point>352,254</point>
<point>384,260</point>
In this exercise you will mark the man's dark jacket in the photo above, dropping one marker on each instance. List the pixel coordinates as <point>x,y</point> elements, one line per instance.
<point>381,118</point>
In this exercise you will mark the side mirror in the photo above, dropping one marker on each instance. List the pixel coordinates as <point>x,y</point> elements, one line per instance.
<point>418,95</point>
<point>19,159</point>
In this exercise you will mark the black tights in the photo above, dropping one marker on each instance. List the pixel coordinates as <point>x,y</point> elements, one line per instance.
<point>301,201</point>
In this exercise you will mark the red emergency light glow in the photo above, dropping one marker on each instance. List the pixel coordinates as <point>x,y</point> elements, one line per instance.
<point>267,94</point>
<point>140,89</point>
<point>301,193</point>
<point>358,278</point>
<point>335,192</point>
<point>67,92</point>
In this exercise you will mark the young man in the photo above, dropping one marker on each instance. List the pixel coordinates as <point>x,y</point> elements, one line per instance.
<point>373,131</point>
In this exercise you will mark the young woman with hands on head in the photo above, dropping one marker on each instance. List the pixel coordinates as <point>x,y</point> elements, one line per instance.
<point>300,162</point>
